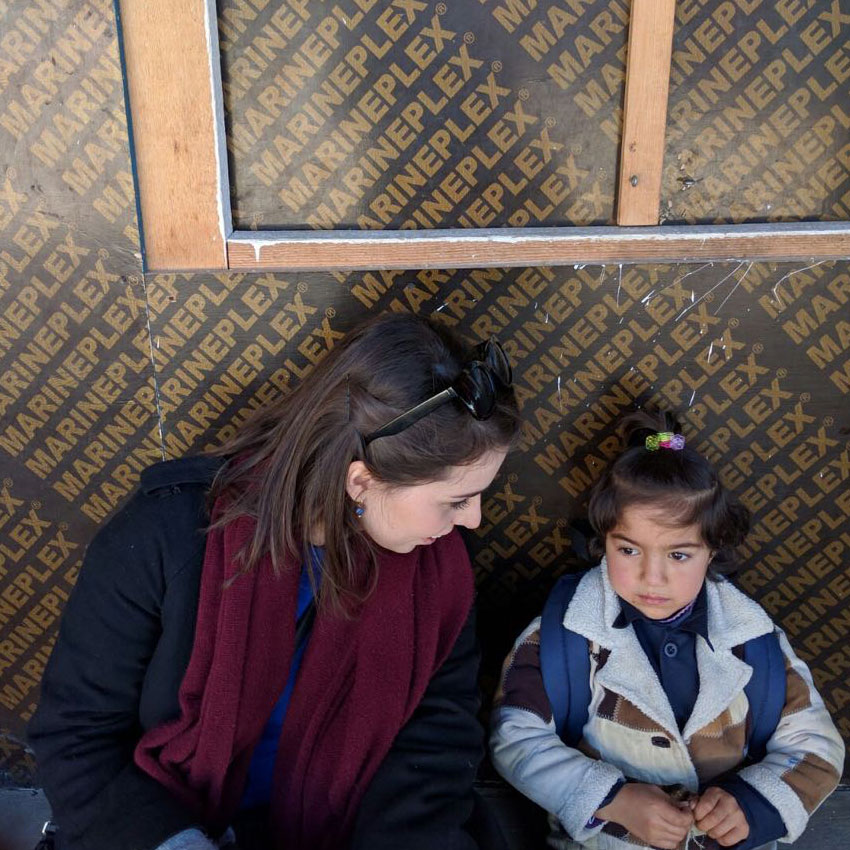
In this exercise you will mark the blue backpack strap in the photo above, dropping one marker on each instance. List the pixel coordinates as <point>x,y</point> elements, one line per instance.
<point>564,663</point>
<point>765,691</point>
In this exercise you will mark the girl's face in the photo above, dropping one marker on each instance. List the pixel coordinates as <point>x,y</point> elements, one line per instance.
<point>659,568</point>
<point>402,518</point>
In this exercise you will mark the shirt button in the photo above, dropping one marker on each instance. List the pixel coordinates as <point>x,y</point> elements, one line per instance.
<point>671,650</point>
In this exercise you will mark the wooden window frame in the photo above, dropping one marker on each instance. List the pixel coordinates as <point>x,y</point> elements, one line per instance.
<point>176,116</point>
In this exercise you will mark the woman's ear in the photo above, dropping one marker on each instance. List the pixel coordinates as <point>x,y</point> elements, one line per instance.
<point>358,480</point>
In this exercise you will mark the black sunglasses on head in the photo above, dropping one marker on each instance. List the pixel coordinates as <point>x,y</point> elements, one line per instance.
<point>475,387</point>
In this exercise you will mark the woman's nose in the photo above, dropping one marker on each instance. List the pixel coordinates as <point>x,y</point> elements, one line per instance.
<point>470,516</point>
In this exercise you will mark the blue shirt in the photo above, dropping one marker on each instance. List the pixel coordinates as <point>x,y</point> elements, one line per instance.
<point>258,788</point>
<point>670,646</point>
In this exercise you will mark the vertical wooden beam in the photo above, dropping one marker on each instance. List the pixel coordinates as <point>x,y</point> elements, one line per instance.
<point>645,112</point>
<point>174,81</point>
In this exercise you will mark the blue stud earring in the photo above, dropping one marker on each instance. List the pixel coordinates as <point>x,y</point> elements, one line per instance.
<point>359,510</point>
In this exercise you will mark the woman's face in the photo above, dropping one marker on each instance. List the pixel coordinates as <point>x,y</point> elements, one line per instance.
<point>659,568</point>
<point>401,518</point>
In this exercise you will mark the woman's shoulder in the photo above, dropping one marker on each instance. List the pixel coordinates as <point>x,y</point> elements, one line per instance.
<point>168,491</point>
<point>173,475</point>
<point>165,519</point>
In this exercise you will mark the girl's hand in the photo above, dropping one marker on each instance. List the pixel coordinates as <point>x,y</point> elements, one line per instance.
<point>718,814</point>
<point>648,813</point>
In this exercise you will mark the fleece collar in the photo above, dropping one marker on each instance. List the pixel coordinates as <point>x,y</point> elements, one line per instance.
<point>732,619</point>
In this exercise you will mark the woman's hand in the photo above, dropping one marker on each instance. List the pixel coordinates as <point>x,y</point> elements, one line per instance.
<point>650,814</point>
<point>718,814</point>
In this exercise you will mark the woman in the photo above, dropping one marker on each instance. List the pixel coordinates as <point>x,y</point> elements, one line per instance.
<point>280,639</point>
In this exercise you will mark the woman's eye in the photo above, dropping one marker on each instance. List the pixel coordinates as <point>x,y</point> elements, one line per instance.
<point>459,506</point>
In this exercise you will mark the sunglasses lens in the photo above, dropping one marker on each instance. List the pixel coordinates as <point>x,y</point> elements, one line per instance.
<point>492,355</point>
<point>474,387</point>
<point>498,362</point>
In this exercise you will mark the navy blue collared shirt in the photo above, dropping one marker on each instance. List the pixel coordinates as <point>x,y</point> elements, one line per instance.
<point>670,646</point>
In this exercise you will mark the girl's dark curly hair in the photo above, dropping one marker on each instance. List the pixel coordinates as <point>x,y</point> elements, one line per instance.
<point>682,484</point>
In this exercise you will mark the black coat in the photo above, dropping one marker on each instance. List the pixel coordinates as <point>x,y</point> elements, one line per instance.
<point>123,648</point>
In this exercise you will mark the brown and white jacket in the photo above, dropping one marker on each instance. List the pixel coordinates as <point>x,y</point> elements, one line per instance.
<point>631,731</point>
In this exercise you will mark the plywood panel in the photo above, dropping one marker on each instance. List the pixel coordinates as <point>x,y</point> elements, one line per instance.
<point>78,415</point>
<point>759,114</point>
<point>423,115</point>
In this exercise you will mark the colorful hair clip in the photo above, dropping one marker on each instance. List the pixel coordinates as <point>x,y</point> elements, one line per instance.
<point>665,440</point>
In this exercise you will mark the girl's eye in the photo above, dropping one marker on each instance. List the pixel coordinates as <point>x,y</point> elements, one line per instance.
<point>679,556</point>
<point>627,550</point>
<point>459,506</point>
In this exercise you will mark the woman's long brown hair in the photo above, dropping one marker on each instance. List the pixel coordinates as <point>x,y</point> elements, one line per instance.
<point>287,468</point>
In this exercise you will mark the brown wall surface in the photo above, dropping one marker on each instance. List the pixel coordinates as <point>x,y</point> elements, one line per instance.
<point>104,370</point>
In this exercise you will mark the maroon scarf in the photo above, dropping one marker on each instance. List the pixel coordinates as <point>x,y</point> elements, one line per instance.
<point>359,682</point>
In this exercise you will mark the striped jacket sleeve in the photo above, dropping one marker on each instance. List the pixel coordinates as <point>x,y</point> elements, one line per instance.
<point>805,755</point>
<point>528,753</point>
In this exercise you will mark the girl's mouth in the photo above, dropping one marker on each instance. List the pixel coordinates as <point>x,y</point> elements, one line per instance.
<point>648,599</point>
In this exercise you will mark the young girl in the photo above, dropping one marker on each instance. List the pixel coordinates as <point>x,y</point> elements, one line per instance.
<point>667,703</point>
